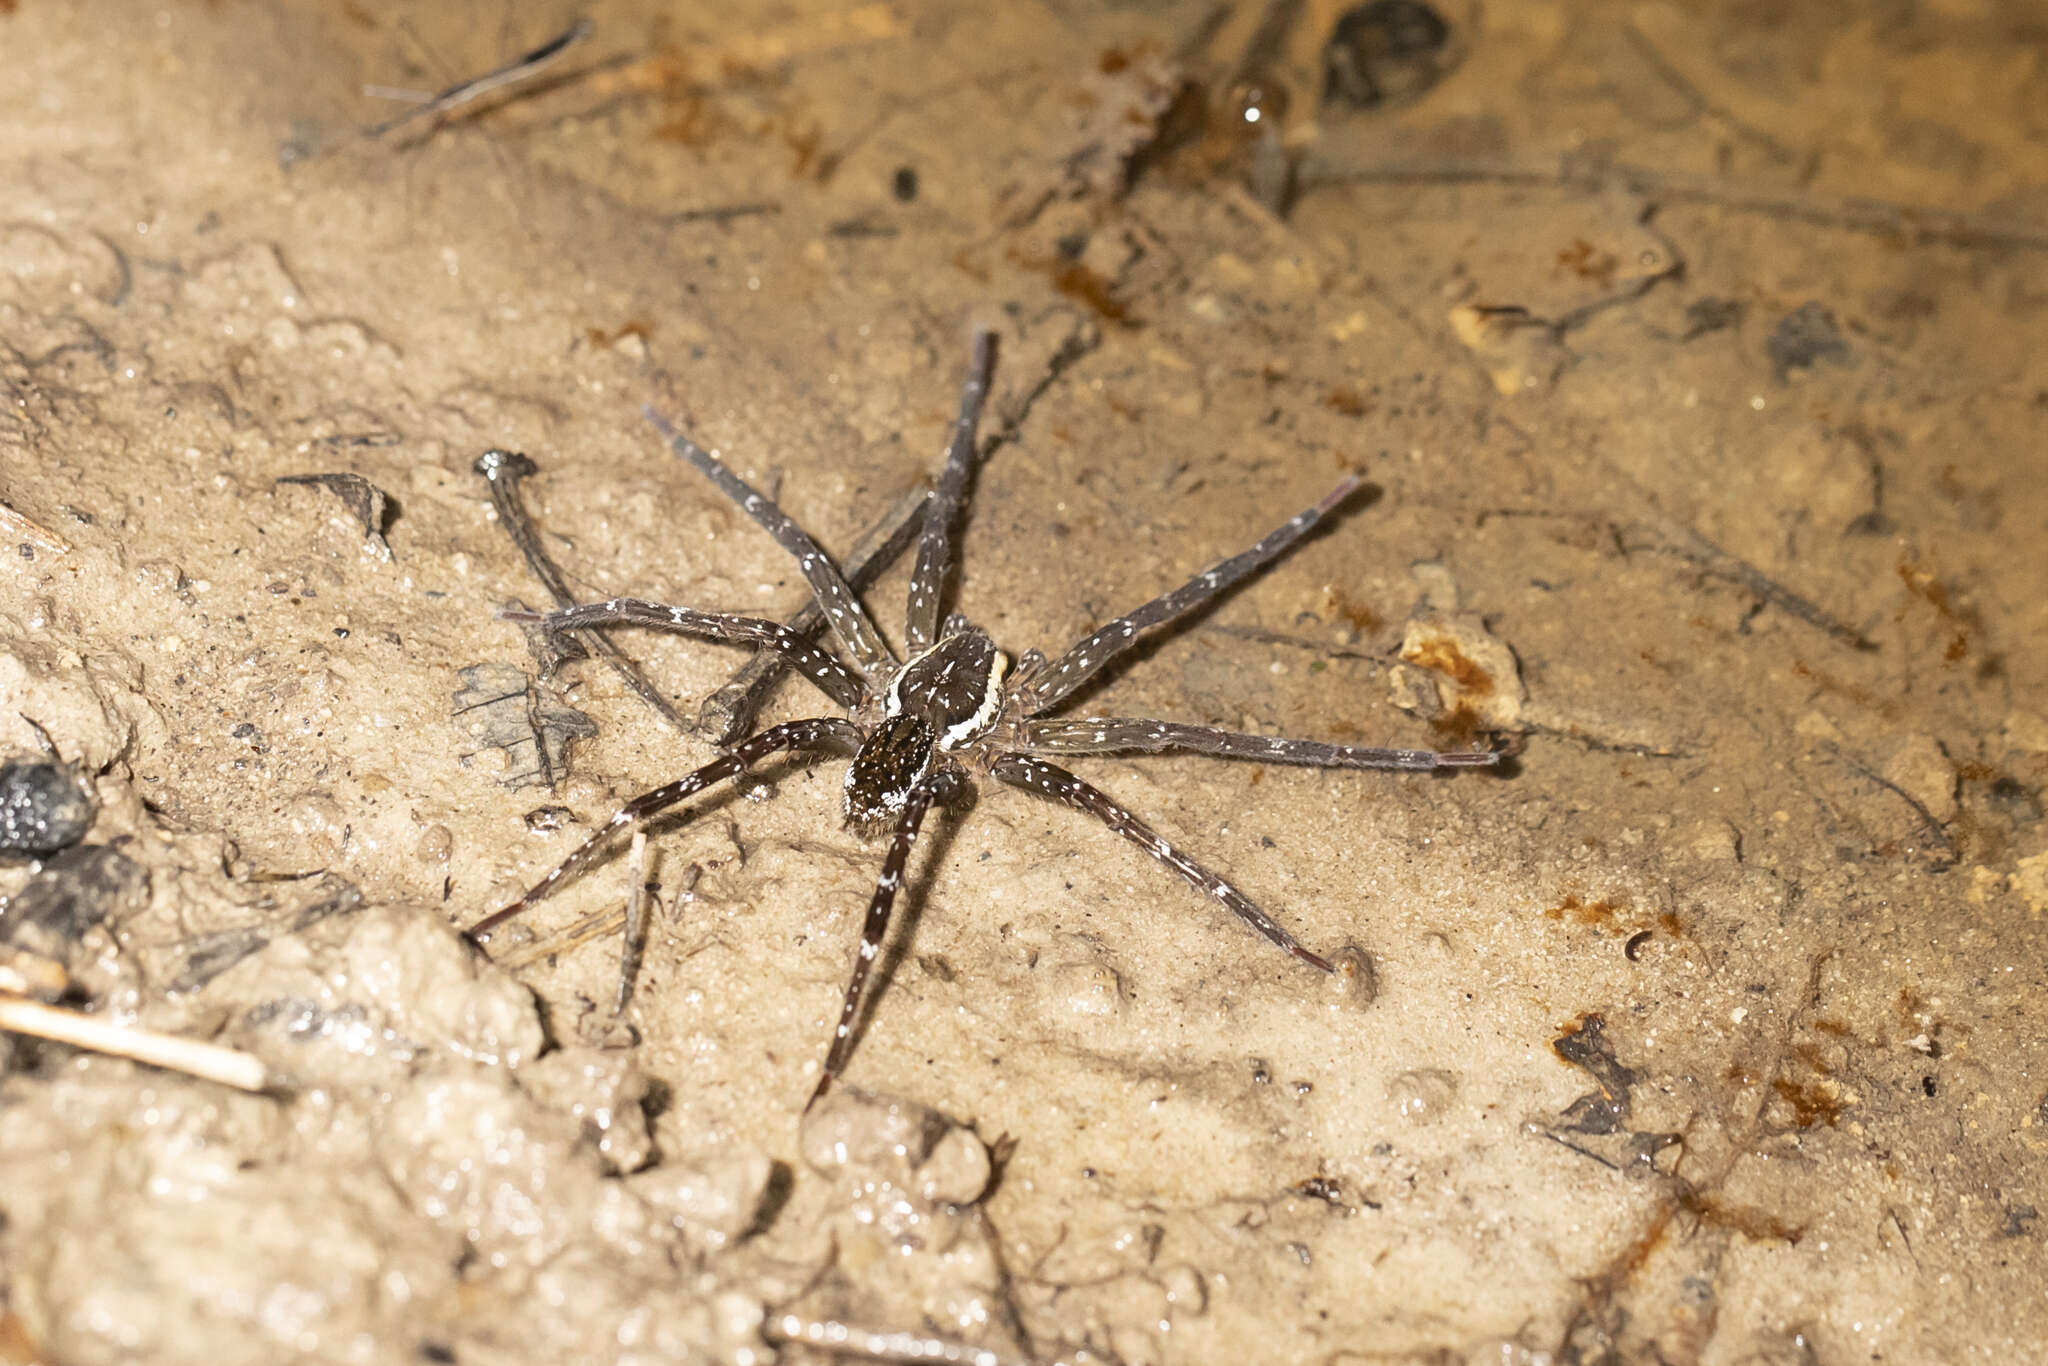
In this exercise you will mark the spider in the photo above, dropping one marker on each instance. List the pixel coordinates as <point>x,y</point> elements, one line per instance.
<point>953,710</point>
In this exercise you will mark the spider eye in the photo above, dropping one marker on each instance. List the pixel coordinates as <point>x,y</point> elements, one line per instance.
<point>891,761</point>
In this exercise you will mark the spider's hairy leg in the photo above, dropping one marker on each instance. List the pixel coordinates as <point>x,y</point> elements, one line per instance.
<point>821,733</point>
<point>935,547</point>
<point>832,677</point>
<point>1142,735</point>
<point>875,928</point>
<point>1080,663</point>
<point>728,714</point>
<point>848,619</point>
<point>1049,780</point>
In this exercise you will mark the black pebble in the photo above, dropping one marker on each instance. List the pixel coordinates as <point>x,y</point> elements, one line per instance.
<point>43,808</point>
<point>76,890</point>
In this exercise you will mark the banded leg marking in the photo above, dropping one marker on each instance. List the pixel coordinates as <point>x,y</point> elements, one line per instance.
<point>848,619</point>
<point>811,661</point>
<point>876,927</point>
<point>1049,780</point>
<point>935,547</point>
<point>1135,735</point>
<point>1080,662</point>
<point>823,733</point>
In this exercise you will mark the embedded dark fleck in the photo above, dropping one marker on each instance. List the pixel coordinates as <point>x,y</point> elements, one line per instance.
<point>2015,801</point>
<point>1605,1110</point>
<point>1803,338</point>
<point>1711,315</point>
<point>1384,51</point>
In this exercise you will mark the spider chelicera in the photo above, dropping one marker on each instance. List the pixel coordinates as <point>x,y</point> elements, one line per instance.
<point>921,729</point>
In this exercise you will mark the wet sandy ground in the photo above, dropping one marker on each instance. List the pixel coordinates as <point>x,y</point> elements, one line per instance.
<point>1697,357</point>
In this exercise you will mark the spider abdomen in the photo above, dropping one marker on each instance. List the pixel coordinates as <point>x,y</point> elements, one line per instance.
<point>945,697</point>
<point>894,758</point>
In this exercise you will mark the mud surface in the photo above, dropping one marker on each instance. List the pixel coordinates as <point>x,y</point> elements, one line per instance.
<point>1698,356</point>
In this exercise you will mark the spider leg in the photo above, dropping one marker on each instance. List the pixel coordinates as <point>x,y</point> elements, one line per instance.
<point>937,785</point>
<point>504,470</point>
<point>849,620</point>
<point>935,547</point>
<point>827,732</point>
<point>1093,651</point>
<point>1130,734</point>
<point>1049,780</point>
<point>727,714</point>
<point>832,677</point>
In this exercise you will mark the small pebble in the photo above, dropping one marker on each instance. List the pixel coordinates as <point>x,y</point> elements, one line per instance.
<point>43,808</point>
<point>1423,1095</point>
<point>1355,983</point>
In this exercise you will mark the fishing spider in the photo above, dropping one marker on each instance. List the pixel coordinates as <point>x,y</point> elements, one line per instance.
<point>922,729</point>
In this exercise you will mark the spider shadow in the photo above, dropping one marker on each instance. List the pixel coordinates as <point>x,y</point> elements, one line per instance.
<point>1141,652</point>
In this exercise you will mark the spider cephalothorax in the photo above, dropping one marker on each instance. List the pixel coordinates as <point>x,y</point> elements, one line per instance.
<point>953,710</point>
<point>939,701</point>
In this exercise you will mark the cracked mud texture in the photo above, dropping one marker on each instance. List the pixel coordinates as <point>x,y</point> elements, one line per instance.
<point>1700,356</point>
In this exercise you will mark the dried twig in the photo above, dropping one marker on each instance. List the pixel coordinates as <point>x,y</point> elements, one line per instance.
<point>14,524</point>
<point>513,72</point>
<point>207,1061</point>
<point>846,1340</point>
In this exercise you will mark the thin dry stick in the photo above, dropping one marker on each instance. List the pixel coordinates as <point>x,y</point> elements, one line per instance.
<point>636,920</point>
<point>463,92</point>
<point>13,523</point>
<point>597,925</point>
<point>207,1061</point>
<point>846,1340</point>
